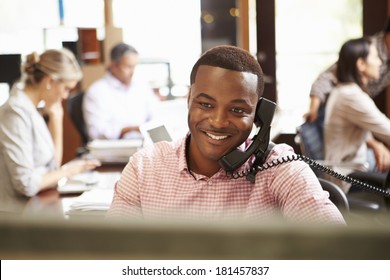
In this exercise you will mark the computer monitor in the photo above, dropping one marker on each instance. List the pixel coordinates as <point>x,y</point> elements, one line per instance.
<point>10,68</point>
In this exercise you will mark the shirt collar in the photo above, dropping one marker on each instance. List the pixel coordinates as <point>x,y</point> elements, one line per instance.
<point>183,166</point>
<point>114,82</point>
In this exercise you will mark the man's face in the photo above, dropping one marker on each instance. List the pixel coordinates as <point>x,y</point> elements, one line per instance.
<point>124,69</point>
<point>222,106</point>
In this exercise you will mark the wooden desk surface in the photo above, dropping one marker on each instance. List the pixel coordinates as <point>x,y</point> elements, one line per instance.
<point>55,204</point>
<point>46,203</point>
<point>111,167</point>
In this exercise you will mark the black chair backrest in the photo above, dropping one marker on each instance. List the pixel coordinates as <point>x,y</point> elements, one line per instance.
<point>75,110</point>
<point>336,195</point>
<point>311,136</point>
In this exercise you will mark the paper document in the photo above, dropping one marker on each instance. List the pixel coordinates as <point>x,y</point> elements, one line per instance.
<point>114,151</point>
<point>93,200</point>
<point>98,198</point>
<point>87,181</point>
<point>78,183</point>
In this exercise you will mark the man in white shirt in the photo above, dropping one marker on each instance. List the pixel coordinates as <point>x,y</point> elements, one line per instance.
<point>116,105</point>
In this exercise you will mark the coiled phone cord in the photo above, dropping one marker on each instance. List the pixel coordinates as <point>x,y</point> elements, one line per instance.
<point>251,173</point>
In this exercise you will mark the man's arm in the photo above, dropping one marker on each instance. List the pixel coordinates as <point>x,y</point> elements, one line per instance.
<point>320,90</point>
<point>376,86</point>
<point>315,103</point>
<point>126,202</point>
<point>302,197</point>
<point>128,129</point>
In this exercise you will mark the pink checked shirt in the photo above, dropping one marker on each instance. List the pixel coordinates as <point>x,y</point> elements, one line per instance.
<point>156,183</point>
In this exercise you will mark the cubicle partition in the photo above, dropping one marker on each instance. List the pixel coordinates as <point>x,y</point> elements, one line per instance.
<point>39,238</point>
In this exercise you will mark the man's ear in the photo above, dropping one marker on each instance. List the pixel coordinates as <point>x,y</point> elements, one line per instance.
<point>189,96</point>
<point>113,66</point>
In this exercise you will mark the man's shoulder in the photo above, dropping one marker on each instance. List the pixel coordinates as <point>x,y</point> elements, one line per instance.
<point>100,85</point>
<point>283,153</point>
<point>279,150</point>
<point>377,37</point>
<point>97,84</point>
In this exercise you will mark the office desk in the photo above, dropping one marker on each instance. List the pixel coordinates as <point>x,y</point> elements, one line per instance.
<point>111,167</point>
<point>55,204</point>
<point>51,203</point>
<point>46,203</point>
<point>52,236</point>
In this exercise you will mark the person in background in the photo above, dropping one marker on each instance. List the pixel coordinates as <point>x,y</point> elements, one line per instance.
<point>30,149</point>
<point>183,178</point>
<point>327,80</point>
<point>352,120</point>
<point>116,105</point>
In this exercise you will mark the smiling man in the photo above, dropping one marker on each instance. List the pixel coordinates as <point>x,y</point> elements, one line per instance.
<point>183,179</point>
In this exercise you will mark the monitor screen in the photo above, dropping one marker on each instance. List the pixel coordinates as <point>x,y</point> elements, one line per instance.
<point>9,68</point>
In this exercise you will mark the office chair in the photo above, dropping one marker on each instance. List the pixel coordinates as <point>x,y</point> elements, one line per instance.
<point>75,110</point>
<point>336,195</point>
<point>310,139</point>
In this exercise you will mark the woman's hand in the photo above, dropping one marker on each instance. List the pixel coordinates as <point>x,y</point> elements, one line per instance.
<point>75,167</point>
<point>55,111</point>
<point>382,154</point>
<point>68,170</point>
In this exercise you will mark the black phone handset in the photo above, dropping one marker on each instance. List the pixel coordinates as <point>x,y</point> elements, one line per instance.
<point>261,145</point>
<point>263,117</point>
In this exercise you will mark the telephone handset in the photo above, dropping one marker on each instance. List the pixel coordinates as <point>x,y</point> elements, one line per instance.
<point>263,117</point>
<point>261,145</point>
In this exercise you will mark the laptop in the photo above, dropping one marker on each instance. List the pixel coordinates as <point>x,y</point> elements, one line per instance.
<point>154,132</point>
<point>169,122</point>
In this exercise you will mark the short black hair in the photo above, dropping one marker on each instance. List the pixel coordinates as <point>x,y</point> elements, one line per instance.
<point>121,49</point>
<point>231,58</point>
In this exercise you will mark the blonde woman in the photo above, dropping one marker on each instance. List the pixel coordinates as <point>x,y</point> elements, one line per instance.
<point>31,149</point>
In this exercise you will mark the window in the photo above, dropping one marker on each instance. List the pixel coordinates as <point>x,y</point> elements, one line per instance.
<point>166,30</point>
<point>309,35</point>
<point>24,33</point>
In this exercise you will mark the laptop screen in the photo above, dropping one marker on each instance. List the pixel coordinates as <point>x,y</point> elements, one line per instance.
<point>159,133</point>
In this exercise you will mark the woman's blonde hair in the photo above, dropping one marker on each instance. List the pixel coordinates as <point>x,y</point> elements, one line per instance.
<point>60,65</point>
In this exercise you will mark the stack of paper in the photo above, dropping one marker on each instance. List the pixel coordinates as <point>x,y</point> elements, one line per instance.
<point>96,200</point>
<point>87,181</point>
<point>79,183</point>
<point>114,151</point>
<point>93,200</point>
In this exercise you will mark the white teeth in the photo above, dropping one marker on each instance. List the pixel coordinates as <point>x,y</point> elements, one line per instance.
<point>216,137</point>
